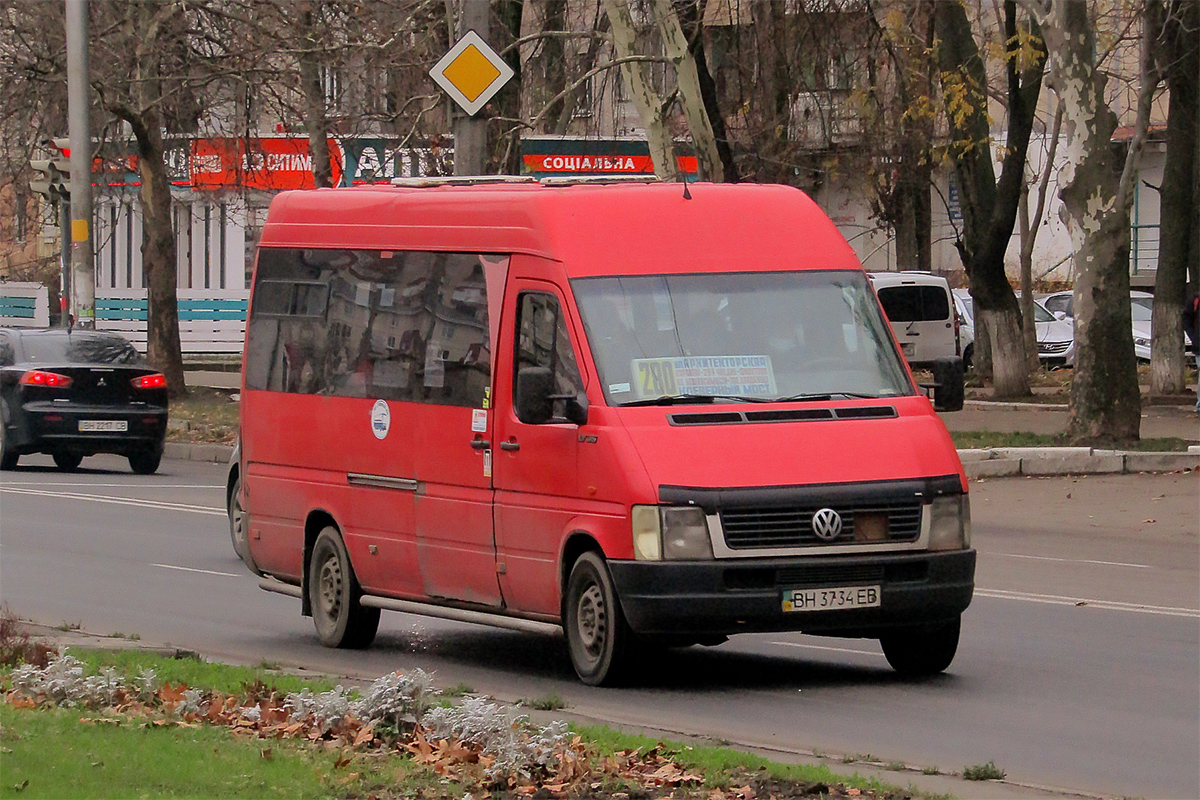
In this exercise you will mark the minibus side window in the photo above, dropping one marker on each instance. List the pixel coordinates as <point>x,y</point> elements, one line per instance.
<point>395,325</point>
<point>543,341</point>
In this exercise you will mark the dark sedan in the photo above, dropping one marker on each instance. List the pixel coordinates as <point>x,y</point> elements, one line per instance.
<point>77,393</point>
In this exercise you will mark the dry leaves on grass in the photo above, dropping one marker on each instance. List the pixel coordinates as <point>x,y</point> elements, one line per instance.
<point>577,769</point>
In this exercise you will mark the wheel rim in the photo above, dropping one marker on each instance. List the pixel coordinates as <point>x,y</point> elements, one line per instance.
<point>592,621</point>
<point>329,588</point>
<point>238,520</point>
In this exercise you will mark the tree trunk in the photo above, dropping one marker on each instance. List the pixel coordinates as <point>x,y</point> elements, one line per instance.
<point>159,262</point>
<point>989,208</point>
<point>504,143</point>
<point>1104,404</point>
<point>1025,301</point>
<point>693,29</point>
<point>315,120</point>
<point>647,101</point>
<point>688,80</point>
<point>1178,203</point>
<point>1029,230</point>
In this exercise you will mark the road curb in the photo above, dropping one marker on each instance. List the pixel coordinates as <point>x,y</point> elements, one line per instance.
<point>184,451</point>
<point>997,462</point>
<point>1001,462</point>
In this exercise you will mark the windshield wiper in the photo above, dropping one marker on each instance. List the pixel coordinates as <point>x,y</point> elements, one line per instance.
<point>826,396</point>
<point>698,399</point>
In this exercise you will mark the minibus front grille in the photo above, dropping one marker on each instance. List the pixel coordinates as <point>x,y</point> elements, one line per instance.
<point>775,526</point>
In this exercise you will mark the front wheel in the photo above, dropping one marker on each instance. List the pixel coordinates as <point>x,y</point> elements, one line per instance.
<point>598,637</point>
<point>333,593</point>
<point>924,651</point>
<point>145,462</point>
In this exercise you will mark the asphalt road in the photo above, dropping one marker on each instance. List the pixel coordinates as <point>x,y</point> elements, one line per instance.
<point>1078,666</point>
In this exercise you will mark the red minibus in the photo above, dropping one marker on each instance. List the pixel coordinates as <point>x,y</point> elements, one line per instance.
<point>641,413</point>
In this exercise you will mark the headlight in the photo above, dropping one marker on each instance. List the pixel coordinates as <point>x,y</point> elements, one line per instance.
<point>950,523</point>
<point>671,533</point>
<point>1140,342</point>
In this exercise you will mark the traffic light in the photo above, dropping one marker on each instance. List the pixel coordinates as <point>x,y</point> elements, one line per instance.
<point>52,176</point>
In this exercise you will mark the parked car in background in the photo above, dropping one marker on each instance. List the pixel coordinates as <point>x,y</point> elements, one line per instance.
<point>78,393</point>
<point>1141,305</point>
<point>921,313</point>
<point>1055,337</point>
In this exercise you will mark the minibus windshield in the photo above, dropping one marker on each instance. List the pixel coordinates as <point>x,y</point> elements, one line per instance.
<point>739,337</point>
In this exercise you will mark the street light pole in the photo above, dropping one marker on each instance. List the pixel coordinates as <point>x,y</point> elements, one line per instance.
<point>83,272</point>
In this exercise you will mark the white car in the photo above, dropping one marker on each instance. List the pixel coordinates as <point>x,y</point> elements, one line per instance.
<point>1141,306</point>
<point>1055,337</point>
<point>919,309</point>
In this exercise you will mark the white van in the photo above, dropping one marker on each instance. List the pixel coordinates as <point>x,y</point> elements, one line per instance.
<point>921,312</point>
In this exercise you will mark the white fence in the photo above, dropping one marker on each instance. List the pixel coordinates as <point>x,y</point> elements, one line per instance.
<point>211,321</point>
<point>25,305</point>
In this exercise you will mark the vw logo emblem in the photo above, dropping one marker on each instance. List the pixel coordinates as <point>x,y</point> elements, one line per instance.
<point>827,524</point>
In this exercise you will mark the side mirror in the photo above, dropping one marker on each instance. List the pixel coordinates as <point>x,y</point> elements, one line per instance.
<point>949,390</point>
<point>1060,315</point>
<point>536,399</point>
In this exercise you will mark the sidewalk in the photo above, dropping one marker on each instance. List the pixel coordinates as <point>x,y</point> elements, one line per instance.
<point>1158,422</point>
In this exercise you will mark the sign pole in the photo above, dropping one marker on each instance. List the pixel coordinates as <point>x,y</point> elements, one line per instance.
<point>470,133</point>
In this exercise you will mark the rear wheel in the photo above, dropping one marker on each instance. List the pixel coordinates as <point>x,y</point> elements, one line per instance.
<point>8,457</point>
<point>237,524</point>
<point>145,462</point>
<point>67,461</point>
<point>598,637</point>
<point>333,593</point>
<point>919,652</point>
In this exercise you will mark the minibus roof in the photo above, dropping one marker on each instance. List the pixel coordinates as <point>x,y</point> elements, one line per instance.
<point>594,229</point>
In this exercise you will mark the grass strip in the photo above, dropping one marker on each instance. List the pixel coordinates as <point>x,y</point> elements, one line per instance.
<point>111,752</point>
<point>991,439</point>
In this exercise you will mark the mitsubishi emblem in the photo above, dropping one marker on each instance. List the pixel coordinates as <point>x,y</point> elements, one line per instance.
<point>827,524</point>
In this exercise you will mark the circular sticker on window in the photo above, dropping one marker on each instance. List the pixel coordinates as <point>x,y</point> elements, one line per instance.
<point>381,419</point>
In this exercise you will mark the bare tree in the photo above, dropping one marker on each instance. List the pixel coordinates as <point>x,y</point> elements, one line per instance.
<point>1028,236</point>
<point>1104,403</point>
<point>990,207</point>
<point>649,105</point>
<point>1177,45</point>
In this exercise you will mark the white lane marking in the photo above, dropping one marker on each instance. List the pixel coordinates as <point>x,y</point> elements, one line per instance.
<point>193,569</point>
<point>117,485</point>
<point>121,501</point>
<point>829,649</point>
<point>817,647</point>
<point>1072,560</point>
<point>1110,605</point>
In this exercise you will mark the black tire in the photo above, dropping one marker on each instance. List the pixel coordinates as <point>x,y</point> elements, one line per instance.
<point>968,357</point>
<point>67,461</point>
<point>598,637</point>
<point>237,525</point>
<point>8,458</point>
<point>920,652</point>
<point>333,593</point>
<point>145,462</point>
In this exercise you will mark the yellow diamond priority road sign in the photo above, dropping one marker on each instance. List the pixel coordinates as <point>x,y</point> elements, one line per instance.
<point>471,72</point>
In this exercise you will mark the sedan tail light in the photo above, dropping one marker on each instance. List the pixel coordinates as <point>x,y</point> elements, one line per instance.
<point>153,381</point>
<point>39,377</point>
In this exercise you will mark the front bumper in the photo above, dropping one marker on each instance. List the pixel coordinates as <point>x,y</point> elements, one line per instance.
<point>726,597</point>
